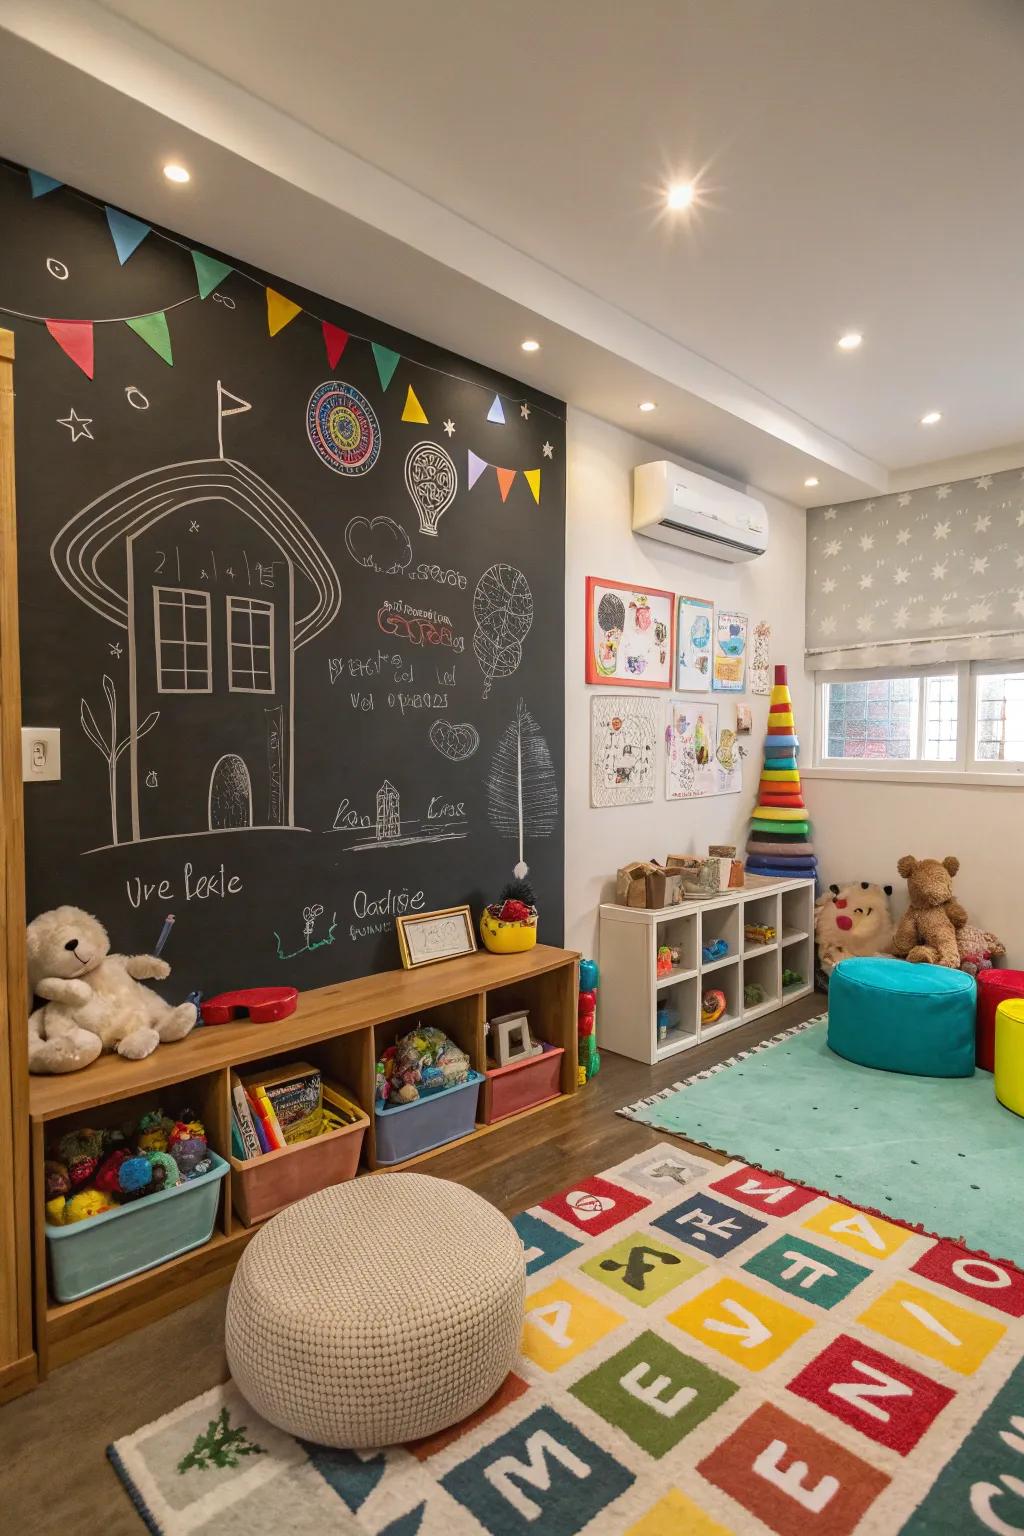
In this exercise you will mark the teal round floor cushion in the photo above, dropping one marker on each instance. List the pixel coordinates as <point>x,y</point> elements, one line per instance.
<point>903,1018</point>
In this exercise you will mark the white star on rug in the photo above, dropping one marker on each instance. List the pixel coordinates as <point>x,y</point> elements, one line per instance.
<point>524,411</point>
<point>548,451</point>
<point>449,426</point>
<point>828,626</point>
<point>979,612</point>
<point>77,425</point>
<point>939,570</point>
<point>937,614</point>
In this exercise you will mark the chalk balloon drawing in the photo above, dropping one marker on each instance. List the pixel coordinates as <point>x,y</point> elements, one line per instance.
<point>503,610</point>
<point>431,480</point>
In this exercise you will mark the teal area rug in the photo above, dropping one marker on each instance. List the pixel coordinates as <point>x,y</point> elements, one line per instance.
<point>940,1154</point>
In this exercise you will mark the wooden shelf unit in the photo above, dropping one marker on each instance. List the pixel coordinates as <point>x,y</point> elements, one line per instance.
<point>342,1029</point>
<point>631,990</point>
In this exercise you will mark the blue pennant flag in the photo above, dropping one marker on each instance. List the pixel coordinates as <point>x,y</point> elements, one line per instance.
<point>41,183</point>
<point>128,233</point>
<point>496,413</point>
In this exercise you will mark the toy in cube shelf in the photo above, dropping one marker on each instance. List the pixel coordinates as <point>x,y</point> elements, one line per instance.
<point>90,1171</point>
<point>792,978</point>
<point>668,959</point>
<point>509,926</point>
<point>422,1062</point>
<point>759,933</point>
<point>712,1006</point>
<point>510,1038</point>
<point>753,994</point>
<point>716,950</point>
<point>586,1021</point>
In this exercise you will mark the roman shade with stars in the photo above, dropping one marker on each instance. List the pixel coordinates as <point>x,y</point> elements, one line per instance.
<point>918,577</point>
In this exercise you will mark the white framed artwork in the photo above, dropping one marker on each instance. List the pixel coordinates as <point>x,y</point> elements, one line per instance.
<point>623,748</point>
<point>695,624</point>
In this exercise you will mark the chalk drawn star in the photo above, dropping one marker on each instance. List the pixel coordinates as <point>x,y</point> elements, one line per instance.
<point>114,647</point>
<point>940,531</point>
<point>983,482</point>
<point>193,526</point>
<point>77,425</point>
<point>867,541</point>
<point>942,491</point>
<point>982,523</point>
<point>449,426</point>
<point>901,618</point>
<point>903,536</point>
<point>866,582</point>
<point>832,548</point>
<point>901,575</point>
<point>548,451</point>
<point>828,586</point>
<point>524,411</point>
<point>904,500</point>
<point>979,565</point>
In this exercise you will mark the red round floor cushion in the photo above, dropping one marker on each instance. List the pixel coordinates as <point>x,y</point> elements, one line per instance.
<point>994,987</point>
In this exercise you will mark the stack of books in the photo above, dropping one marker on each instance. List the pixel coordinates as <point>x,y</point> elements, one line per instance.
<point>279,1108</point>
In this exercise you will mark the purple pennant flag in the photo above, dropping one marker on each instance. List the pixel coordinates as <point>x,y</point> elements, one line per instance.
<point>475,469</point>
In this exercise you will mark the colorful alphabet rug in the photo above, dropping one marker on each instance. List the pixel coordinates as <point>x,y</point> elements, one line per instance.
<point>707,1350</point>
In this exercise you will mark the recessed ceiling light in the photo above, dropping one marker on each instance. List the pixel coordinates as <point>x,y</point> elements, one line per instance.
<point>680,195</point>
<point>850,342</point>
<point>811,482</point>
<point>930,418</point>
<point>530,346</point>
<point>176,173</point>
<point>648,405</point>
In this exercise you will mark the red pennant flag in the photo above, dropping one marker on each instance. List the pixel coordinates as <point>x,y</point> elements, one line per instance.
<point>75,338</point>
<point>505,478</point>
<point>335,340</point>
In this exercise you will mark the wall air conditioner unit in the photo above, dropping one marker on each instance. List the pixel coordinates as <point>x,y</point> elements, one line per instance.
<point>683,508</point>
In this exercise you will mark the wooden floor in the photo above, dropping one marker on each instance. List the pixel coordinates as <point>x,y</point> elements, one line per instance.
<point>55,1476</point>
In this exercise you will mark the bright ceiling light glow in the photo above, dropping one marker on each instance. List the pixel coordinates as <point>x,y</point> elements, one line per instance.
<point>530,346</point>
<point>930,418</point>
<point>647,405</point>
<point>176,173</point>
<point>680,195</point>
<point>811,482</point>
<point>850,342</point>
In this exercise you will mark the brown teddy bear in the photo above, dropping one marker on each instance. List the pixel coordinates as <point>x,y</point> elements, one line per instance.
<point>927,931</point>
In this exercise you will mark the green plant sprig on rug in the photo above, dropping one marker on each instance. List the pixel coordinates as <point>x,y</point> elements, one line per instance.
<point>219,1446</point>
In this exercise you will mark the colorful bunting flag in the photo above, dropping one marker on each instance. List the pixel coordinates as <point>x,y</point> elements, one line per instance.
<point>128,233</point>
<point>335,340</point>
<point>413,410</point>
<point>153,331</point>
<point>387,361</point>
<point>532,478</point>
<point>496,413</point>
<point>475,468</point>
<point>209,272</point>
<point>505,478</point>
<point>41,183</point>
<point>280,311</point>
<point>75,338</point>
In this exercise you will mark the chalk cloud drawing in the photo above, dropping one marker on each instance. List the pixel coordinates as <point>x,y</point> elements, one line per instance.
<point>379,544</point>
<point>101,556</point>
<point>503,610</point>
<point>454,741</point>
<point>432,481</point>
<point>522,785</point>
<point>107,744</point>
<point>342,428</point>
<point>386,827</point>
<point>623,744</point>
<point>310,916</point>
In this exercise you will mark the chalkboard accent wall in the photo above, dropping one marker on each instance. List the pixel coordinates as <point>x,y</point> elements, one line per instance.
<point>292,589</point>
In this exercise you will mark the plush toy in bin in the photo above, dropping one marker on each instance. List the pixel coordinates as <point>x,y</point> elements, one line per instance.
<point>422,1062</point>
<point>92,1171</point>
<point>509,926</point>
<point>586,1021</point>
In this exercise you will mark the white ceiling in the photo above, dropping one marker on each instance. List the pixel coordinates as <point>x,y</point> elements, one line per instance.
<point>860,167</point>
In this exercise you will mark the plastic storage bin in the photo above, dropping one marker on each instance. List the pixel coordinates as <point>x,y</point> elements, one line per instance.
<point>92,1254</point>
<point>264,1185</point>
<point>521,1084</point>
<point>406,1130</point>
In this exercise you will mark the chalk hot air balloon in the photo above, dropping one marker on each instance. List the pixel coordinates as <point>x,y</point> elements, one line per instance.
<point>431,480</point>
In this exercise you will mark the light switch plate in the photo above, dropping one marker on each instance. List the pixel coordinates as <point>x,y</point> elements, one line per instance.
<point>40,753</point>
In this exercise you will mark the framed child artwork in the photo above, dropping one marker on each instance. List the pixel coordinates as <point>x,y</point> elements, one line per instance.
<point>695,623</point>
<point>630,640</point>
<point>427,937</point>
<point>729,662</point>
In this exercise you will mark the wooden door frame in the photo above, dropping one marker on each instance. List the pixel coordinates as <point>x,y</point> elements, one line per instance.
<point>17,1358</point>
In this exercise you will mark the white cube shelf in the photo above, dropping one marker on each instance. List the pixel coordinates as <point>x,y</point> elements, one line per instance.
<point>631,989</point>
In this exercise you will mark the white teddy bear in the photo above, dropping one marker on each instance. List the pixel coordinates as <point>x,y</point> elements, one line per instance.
<point>93,999</point>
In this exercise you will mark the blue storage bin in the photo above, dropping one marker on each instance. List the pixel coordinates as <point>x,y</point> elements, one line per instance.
<point>97,1252</point>
<point>406,1130</point>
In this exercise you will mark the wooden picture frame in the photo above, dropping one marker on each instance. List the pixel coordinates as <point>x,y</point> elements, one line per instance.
<point>424,938</point>
<point>621,660</point>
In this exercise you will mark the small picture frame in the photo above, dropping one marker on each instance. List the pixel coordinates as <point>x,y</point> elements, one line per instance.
<point>426,937</point>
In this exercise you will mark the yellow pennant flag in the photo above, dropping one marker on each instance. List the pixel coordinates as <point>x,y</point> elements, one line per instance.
<point>413,410</point>
<point>532,478</point>
<point>279,311</point>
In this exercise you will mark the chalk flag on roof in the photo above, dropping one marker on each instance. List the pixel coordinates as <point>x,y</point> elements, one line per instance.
<point>41,183</point>
<point>280,311</point>
<point>153,331</point>
<point>209,272</point>
<point>475,467</point>
<point>75,338</point>
<point>127,233</point>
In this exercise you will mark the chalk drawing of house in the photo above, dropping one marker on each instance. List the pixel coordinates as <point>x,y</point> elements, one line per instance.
<point>218,583</point>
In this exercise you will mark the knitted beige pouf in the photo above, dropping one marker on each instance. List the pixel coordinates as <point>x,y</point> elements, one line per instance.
<point>377,1311</point>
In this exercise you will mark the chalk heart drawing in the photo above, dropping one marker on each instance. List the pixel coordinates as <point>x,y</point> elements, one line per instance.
<point>379,544</point>
<point>343,430</point>
<point>503,610</point>
<point>587,1206</point>
<point>455,742</point>
<point>431,480</point>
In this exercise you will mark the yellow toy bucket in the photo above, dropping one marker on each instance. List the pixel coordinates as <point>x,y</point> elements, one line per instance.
<point>503,938</point>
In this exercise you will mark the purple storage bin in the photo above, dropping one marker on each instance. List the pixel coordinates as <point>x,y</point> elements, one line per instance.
<point>406,1130</point>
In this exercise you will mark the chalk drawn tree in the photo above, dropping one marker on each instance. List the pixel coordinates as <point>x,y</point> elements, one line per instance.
<point>522,787</point>
<point>108,746</point>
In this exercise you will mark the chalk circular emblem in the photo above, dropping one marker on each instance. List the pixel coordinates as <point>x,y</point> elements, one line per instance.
<point>342,428</point>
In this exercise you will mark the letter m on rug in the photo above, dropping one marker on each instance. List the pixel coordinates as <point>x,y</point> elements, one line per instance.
<point>507,1473</point>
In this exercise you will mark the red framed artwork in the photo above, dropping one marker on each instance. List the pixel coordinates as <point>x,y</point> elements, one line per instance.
<point>631,633</point>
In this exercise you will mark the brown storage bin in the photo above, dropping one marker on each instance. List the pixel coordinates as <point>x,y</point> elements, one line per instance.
<point>262,1186</point>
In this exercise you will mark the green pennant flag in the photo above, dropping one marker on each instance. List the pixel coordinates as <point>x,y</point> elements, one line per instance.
<point>387,361</point>
<point>209,272</point>
<point>153,330</point>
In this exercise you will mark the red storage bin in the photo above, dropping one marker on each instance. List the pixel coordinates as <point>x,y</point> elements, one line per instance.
<point>522,1084</point>
<point>994,987</point>
<point>262,1186</point>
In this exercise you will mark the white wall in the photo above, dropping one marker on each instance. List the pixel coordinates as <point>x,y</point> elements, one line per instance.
<point>599,542</point>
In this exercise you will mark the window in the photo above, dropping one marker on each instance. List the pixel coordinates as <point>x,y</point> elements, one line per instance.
<point>250,645</point>
<point>966,717</point>
<point>181,627</point>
